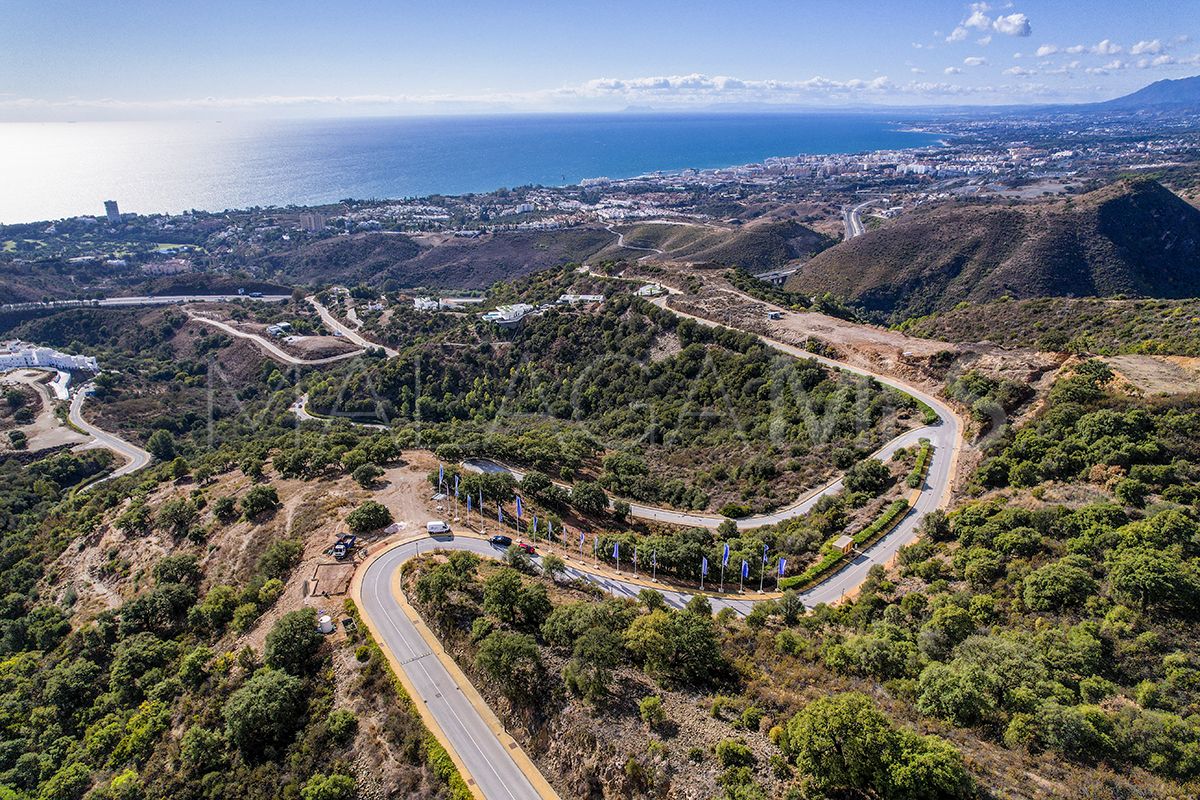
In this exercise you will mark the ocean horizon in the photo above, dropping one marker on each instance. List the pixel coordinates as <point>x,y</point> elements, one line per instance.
<point>60,169</point>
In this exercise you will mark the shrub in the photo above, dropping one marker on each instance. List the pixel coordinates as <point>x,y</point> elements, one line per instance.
<point>259,500</point>
<point>651,710</point>
<point>368,517</point>
<point>293,642</point>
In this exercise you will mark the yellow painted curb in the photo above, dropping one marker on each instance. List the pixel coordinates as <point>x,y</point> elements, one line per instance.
<point>427,718</point>
<point>519,756</point>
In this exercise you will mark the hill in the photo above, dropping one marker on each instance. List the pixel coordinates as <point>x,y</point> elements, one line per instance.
<point>755,247</point>
<point>1132,237</point>
<point>1167,92</point>
<point>401,261</point>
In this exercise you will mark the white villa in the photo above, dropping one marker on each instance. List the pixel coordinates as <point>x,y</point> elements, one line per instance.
<point>15,355</point>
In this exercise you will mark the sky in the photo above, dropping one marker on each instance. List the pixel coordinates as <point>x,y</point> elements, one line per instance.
<point>129,59</point>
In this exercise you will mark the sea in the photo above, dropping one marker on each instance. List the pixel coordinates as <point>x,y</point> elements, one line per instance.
<point>60,169</point>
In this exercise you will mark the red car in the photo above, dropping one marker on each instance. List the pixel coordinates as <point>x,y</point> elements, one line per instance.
<point>527,547</point>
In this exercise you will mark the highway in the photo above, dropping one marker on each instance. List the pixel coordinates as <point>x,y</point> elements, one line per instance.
<point>143,300</point>
<point>135,457</point>
<point>345,330</point>
<point>852,219</point>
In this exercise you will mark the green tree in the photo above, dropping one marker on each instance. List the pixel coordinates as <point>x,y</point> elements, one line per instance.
<point>596,654</point>
<point>293,642</point>
<point>1150,577</point>
<point>370,516</point>
<point>366,475</point>
<point>514,662</point>
<point>177,516</point>
<point>162,445</point>
<point>589,498</point>
<point>259,500</point>
<point>265,712</point>
<point>869,475</point>
<point>1060,584</point>
<point>502,595</point>
<point>328,787</point>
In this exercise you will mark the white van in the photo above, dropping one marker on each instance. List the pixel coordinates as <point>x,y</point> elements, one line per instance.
<point>436,526</point>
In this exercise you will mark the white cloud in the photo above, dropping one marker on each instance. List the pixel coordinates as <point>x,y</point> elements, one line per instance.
<point>1116,64</point>
<point>916,71</point>
<point>1013,25</point>
<point>1019,71</point>
<point>974,61</point>
<point>1075,49</point>
<point>1047,50</point>
<point>952,70</point>
<point>1106,47</point>
<point>1151,47</point>
<point>1163,60</point>
<point>979,18</point>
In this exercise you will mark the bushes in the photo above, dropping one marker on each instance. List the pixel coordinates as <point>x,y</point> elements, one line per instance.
<point>844,743</point>
<point>259,500</point>
<point>293,642</point>
<point>1059,584</point>
<point>265,712</point>
<point>368,517</point>
<point>831,558</point>
<point>917,476</point>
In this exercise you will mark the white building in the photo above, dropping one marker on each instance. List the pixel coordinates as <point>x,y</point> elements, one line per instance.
<point>575,299</point>
<point>508,316</point>
<point>426,304</point>
<point>15,355</point>
<point>650,290</point>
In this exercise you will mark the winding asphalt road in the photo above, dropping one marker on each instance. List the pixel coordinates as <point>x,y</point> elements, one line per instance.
<point>345,330</point>
<point>495,770</point>
<point>135,457</point>
<point>272,349</point>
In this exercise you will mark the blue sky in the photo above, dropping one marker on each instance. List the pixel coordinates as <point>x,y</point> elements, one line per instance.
<point>64,59</point>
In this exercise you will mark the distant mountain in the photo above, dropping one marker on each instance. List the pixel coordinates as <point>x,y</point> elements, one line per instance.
<point>1132,237</point>
<point>1167,92</point>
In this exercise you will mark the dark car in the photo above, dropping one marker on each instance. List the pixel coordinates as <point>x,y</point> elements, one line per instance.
<point>500,540</point>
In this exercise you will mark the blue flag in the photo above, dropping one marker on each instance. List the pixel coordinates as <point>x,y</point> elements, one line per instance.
<point>745,569</point>
<point>582,538</point>
<point>725,557</point>
<point>766,547</point>
<point>616,550</point>
<point>703,565</point>
<point>499,513</point>
<point>549,528</point>
<point>441,475</point>
<point>782,566</point>
<point>481,500</point>
<point>456,486</point>
<point>635,555</point>
<point>535,524</point>
<point>468,504</point>
<point>518,506</point>
<point>654,558</point>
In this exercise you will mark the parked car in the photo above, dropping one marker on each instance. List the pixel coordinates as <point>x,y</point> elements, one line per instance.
<point>436,526</point>
<point>527,547</point>
<point>500,540</point>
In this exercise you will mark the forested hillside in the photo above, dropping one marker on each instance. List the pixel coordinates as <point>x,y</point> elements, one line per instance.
<point>703,418</point>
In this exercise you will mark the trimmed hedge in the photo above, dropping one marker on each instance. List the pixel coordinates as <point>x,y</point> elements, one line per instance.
<point>917,476</point>
<point>830,558</point>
